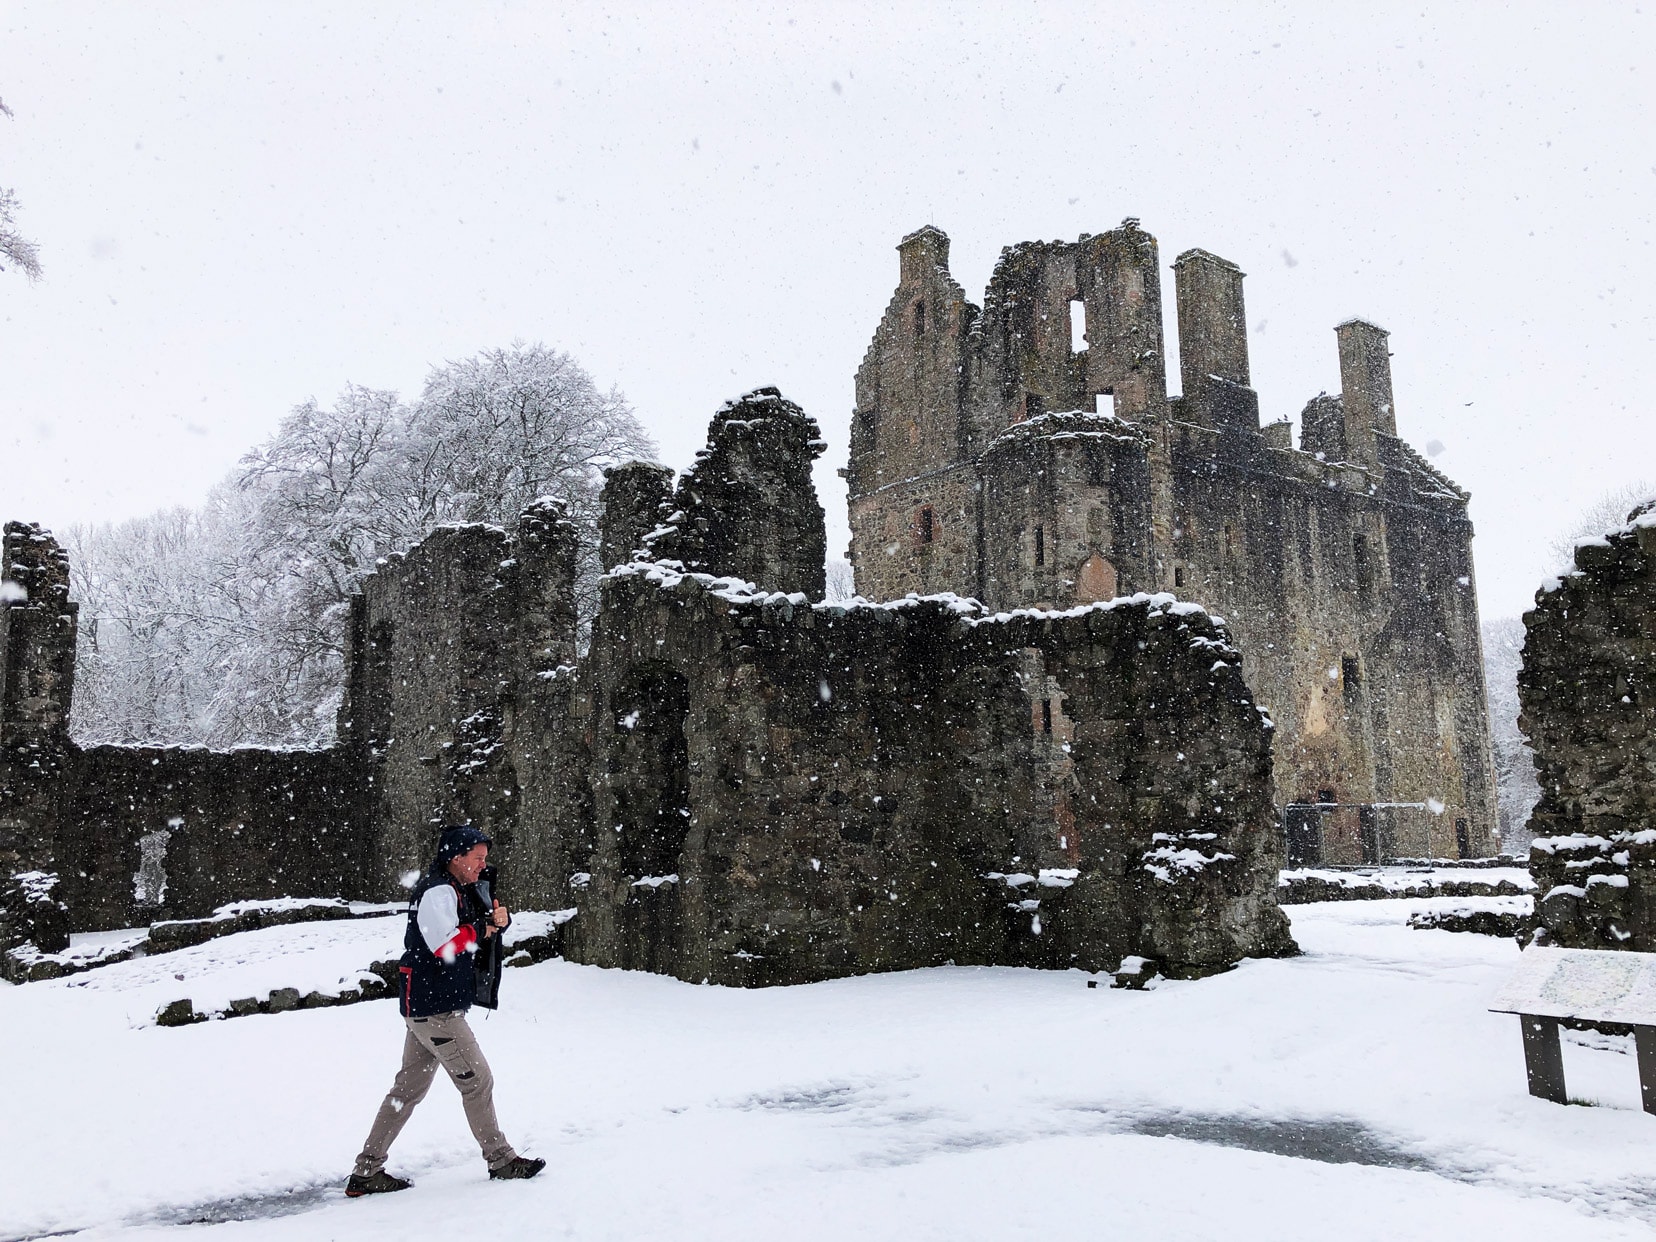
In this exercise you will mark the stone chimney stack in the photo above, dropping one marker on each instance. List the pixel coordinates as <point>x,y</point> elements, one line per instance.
<point>549,550</point>
<point>926,247</point>
<point>632,507</point>
<point>1365,386</point>
<point>1213,324</point>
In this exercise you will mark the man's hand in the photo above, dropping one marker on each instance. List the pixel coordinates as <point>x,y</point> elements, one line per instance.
<point>497,920</point>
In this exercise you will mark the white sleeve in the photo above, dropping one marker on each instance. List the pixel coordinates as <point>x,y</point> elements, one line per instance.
<point>439,916</point>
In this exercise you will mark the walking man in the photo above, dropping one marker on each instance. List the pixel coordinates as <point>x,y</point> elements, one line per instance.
<point>446,920</point>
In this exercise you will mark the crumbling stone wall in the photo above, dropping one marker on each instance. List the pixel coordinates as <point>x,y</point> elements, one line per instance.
<point>1588,693</point>
<point>37,679</point>
<point>734,783</point>
<point>150,833</point>
<point>203,827</point>
<point>451,646</point>
<point>747,506</point>
<point>797,792</point>
<point>1001,455</point>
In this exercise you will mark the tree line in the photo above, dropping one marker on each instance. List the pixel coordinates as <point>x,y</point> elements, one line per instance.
<point>225,624</point>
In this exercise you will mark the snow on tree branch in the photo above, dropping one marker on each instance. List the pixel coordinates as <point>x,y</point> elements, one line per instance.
<point>226,624</point>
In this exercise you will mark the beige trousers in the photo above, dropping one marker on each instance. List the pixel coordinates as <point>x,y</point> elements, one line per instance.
<point>443,1039</point>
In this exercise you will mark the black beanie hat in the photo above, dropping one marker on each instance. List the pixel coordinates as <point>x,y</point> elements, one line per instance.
<point>456,841</point>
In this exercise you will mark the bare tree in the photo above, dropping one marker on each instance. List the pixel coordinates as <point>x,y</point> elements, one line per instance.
<point>1516,787</point>
<point>227,624</point>
<point>841,584</point>
<point>1607,513</point>
<point>19,250</point>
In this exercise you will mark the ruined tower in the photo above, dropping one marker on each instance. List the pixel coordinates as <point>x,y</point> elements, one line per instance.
<point>1029,455</point>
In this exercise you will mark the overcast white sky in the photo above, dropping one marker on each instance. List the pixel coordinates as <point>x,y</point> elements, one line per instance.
<point>239,208</point>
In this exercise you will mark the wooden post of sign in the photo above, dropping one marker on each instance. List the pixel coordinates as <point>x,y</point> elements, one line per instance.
<point>1544,1058</point>
<point>1644,1039</point>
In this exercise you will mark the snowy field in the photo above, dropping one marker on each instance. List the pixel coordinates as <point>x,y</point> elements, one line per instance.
<point>1360,1091</point>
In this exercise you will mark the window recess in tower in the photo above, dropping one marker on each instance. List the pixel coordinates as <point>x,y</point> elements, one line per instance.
<point>925,524</point>
<point>920,318</point>
<point>1040,545</point>
<point>1104,403</point>
<point>1078,325</point>
<point>1362,563</point>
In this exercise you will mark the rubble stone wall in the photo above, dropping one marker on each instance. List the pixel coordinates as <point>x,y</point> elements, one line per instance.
<point>1587,689</point>
<point>736,782</point>
<point>217,826</point>
<point>798,792</point>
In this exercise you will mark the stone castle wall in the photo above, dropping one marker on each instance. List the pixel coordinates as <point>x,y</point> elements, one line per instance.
<point>734,783</point>
<point>997,454</point>
<point>800,792</point>
<point>1588,693</point>
<point>222,825</point>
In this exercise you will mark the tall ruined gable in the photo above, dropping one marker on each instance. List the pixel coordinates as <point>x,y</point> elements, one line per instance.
<point>747,507</point>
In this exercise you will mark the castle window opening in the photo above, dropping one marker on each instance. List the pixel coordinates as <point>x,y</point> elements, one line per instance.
<point>1034,405</point>
<point>1351,677</point>
<point>1104,403</point>
<point>1040,545</point>
<point>1361,563</point>
<point>149,884</point>
<point>1046,716</point>
<point>925,524</point>
<point>1078,325</point>
<point>1463,839</point>
<point>1178,575</point>
<point>920,318</point>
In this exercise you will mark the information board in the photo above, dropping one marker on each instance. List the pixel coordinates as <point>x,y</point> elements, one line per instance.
<point>1599,985</point>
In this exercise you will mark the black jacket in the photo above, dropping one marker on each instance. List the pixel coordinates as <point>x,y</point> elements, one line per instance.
<point>445,929</point>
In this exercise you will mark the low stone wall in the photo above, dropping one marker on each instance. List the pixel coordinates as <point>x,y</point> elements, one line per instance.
<point>1596,892</point>
<point>1506,924</point>
<point>146,833</point>
<point>1304,887</point>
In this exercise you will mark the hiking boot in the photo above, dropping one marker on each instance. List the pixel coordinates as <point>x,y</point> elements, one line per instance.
<point>518,1166</point>
<point>381,1183</point>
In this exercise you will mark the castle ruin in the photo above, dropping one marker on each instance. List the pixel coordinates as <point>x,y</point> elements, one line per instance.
<point>1027,454</point>
<point>736,782</point>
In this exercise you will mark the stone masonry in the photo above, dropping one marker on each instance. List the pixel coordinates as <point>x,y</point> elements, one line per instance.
<point>1588,694</point>
<point>1027,454</point>
<point>736,782</point>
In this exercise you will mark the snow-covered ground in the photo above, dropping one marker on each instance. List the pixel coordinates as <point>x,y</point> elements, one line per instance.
<point>1360,1091</point>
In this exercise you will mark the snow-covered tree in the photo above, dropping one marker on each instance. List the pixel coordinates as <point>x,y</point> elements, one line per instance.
<point>841,581</point>
<point>226,624</point>
<point>1607,513</point>
<point>15,249</point>
<point>1516,789</point>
